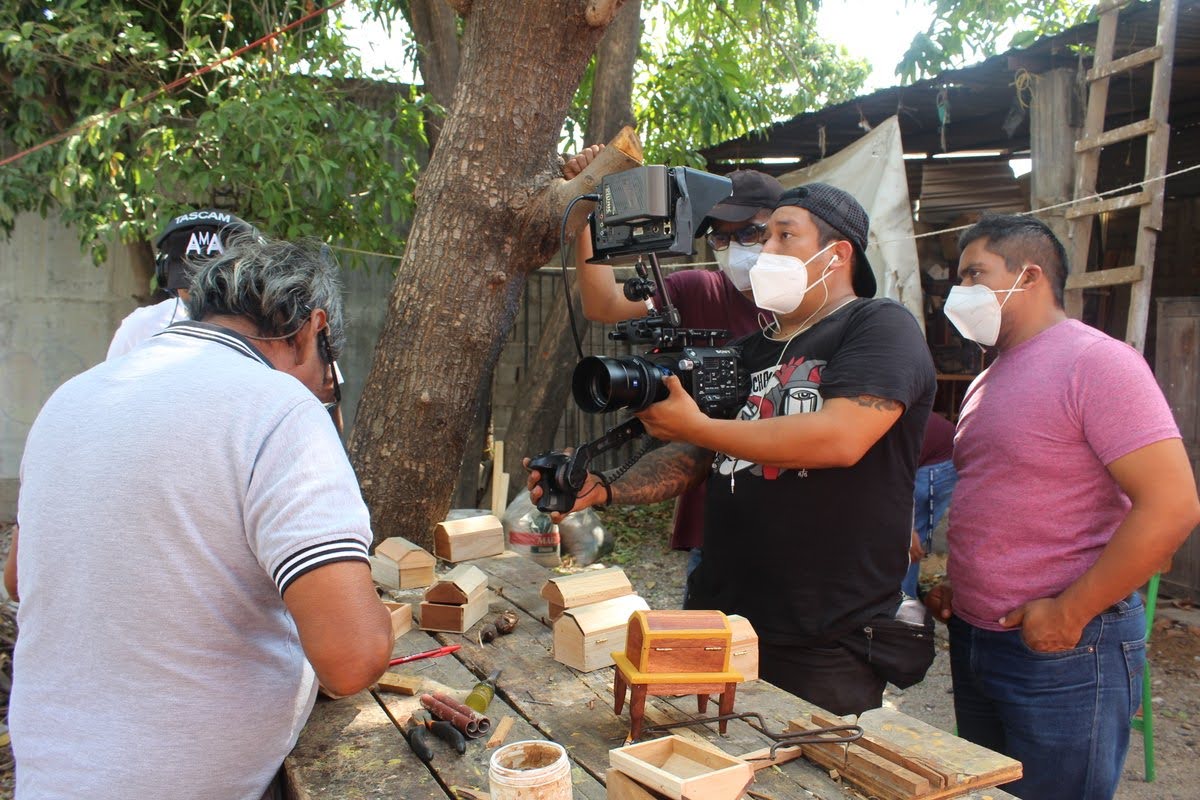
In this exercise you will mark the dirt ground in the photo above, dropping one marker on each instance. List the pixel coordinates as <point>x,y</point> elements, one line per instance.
<point>657,574</point>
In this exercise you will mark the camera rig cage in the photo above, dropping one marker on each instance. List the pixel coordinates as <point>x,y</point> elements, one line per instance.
<point>641,214</point>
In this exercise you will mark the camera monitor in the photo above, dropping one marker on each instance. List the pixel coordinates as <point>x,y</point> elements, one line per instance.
<point>653,209</point>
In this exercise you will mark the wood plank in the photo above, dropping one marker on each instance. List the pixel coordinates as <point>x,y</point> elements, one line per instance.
<point>979,766</point>
<point>1104,277</point>
<point>1150,218</point>
<point>1131,61</point>
<point>1121,134</point>
<point>1119,203</point>
<point>623,787</point>
<point>938,773</point>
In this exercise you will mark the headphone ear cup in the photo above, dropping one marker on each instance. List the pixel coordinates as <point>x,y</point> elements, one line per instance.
<point>160,271</point>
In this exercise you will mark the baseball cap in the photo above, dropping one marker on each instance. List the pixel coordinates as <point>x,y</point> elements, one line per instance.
<point>753,191</point>
<point>196,235</point>
<point>845,215</point>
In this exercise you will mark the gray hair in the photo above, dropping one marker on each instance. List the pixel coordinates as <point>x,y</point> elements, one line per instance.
<point>275,284</point>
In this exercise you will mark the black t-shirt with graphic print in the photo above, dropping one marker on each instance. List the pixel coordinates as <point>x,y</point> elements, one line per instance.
<point>807,555</point>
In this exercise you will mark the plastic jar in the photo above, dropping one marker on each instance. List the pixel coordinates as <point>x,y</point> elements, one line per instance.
<point>532,770</point>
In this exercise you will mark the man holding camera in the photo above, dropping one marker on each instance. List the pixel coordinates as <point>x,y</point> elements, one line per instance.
<point>227,572</point>
<point>735,230</point>
<point>810,488</point>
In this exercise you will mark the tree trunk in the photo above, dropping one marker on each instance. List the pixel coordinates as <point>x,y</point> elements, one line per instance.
<point>435,27</point>
<point>546,385</point>
<point>612,89</point>
<point>488,209</point>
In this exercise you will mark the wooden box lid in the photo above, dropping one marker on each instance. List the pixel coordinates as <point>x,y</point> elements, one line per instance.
<point>678,641</point>
<point>459,586</point>
<point>468,538</point>
<point>404,553</point>
<point>582,588</point>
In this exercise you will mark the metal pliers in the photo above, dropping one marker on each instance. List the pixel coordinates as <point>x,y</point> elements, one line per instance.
<point>417,731</point>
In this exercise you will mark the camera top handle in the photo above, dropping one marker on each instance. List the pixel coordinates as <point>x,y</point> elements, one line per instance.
<point>564,474</point>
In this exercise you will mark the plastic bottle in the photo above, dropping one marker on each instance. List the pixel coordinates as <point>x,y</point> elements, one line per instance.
<point>536,536</point>
<point>481,696</point>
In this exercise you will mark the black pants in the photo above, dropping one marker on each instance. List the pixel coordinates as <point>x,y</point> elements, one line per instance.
<point>829,676</point>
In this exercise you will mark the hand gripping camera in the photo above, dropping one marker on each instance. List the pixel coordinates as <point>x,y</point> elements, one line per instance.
<point>641,214</point>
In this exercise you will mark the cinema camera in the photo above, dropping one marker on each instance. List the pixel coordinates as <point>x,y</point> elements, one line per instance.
<point>642,214</point>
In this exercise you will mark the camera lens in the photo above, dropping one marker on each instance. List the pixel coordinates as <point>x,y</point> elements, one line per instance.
<point>603,384</point>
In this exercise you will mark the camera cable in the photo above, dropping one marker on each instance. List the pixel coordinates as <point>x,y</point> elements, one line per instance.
<point>562,252</point>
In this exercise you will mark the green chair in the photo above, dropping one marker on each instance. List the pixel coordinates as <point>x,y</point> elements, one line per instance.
<point>1145,723</point>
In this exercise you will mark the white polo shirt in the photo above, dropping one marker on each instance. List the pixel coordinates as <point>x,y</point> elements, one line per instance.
<point>156,657</point>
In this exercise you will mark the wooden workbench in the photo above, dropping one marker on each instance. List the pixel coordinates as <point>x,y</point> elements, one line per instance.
<point>350,749</point>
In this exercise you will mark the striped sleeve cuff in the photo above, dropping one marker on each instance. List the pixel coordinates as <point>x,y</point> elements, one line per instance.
<point>317,555</point>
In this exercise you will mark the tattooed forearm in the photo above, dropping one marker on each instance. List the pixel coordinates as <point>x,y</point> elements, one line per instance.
<point>878,403</point>
<point>663,473</point>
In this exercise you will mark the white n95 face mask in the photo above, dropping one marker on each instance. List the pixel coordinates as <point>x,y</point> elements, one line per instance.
<point>780,282</point>
<point>975,311</point>
<point>736,260</point>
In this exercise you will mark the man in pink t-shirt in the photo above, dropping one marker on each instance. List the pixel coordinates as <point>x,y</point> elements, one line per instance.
<point>1074,488</point>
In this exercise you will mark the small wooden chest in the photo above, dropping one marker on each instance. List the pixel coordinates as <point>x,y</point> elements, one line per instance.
<point>585,636</point>
<point>743,656</point>
<point>678,641</point>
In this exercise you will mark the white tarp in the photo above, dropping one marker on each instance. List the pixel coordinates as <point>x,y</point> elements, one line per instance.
<point>872,169</point>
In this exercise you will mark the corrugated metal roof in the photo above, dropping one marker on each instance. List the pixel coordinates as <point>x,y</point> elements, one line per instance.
<point>984,110</point>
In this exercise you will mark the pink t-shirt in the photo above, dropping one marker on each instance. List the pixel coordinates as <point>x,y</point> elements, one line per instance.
<point>1035,504</point>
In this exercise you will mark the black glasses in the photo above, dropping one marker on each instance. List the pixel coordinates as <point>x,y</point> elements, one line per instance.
<point>327,355</point>
<point>754,233</point>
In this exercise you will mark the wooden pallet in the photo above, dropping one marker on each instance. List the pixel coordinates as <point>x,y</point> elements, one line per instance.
<point>901,758</point>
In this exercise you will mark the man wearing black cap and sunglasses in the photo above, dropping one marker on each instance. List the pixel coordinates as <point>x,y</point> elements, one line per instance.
<point>735,231</point>
<point>189,239</point>
<point>809,504</point>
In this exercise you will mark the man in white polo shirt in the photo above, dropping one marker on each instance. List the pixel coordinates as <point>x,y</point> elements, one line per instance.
<point>222,548</point>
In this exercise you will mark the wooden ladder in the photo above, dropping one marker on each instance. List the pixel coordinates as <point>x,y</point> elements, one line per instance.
<point>1149,198</point>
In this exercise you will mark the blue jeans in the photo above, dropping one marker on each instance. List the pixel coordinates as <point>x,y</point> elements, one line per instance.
<point>931,498</point>
<point>1065,716</point>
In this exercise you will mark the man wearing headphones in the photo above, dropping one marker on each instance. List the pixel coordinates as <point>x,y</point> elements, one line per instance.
<point>188,238</point>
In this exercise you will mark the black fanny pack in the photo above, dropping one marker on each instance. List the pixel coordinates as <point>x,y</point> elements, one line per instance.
<point>898,646</point>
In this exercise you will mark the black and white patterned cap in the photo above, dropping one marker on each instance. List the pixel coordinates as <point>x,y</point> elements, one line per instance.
<point>845,215</point>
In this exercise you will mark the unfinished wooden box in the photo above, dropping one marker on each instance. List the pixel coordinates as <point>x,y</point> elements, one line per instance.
<point>457,601</point>
<point>584,637</point>
<point>743,650</point>
<point>401,614</point>
<point>680,768</point>
<point>465,539</point>
<point>678,641</point>
<point>583,588</point>
<point>400,564</point>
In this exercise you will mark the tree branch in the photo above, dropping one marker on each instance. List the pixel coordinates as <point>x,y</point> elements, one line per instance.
<point>622,153</point>
<point>601,12</point>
